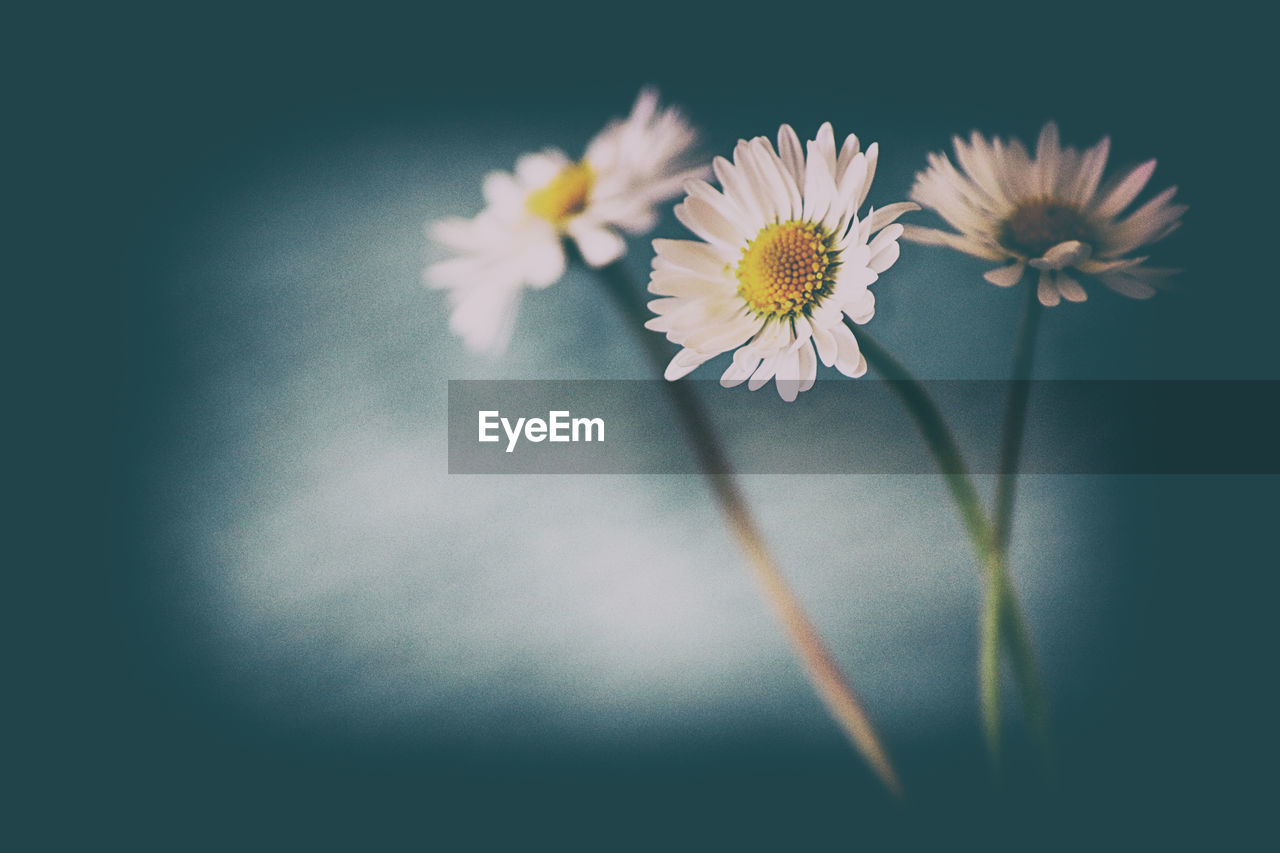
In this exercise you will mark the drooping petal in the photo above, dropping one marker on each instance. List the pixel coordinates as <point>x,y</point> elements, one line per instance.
<point>1006,276</point>
<point>1070,288</point>
<point>849,360</point>
<point>1063,255</point>
<point>599,246</point>
<point>1045,291</point>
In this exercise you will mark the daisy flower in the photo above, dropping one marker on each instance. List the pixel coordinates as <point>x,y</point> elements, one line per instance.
<point>782,260</point>
<point>517,241</point>
<point>1051,213</point>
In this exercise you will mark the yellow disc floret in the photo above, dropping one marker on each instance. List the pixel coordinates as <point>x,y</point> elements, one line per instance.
<point>565,196</point>
<point>787,269</point>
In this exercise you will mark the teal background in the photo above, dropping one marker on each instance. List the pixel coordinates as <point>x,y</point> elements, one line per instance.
<point>273,617</point>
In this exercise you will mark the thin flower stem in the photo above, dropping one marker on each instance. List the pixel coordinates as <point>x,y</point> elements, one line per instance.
<point>1015,416</point>
<point>822,668</point>
<point>1002,616</point>
<point>1015,419</point>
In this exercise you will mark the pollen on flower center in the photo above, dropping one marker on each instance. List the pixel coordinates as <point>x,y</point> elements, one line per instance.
<point>1039,224</point>
<point>565,196</point>
<point>787,269</point>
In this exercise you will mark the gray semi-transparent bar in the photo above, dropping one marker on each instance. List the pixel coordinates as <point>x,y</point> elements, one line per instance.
<point>861,427</point>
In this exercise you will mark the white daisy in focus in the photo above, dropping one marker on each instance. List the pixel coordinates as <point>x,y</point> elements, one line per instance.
<point>782,261</point>
<point>517,241</point>
<point>1050,213</point>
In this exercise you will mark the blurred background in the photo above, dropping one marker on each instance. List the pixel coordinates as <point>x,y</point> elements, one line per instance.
<point>281,616</point>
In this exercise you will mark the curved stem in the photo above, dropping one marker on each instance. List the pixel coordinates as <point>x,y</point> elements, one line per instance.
<point>1002,616</point>
<point>822,668</point>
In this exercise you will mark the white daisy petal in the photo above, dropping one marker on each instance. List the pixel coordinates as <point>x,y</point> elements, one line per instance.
<point>884,238</point>
<point>772,176</point>
<point>458,234</point>
<point>1095,265</point>
<point>1095,161</point>
<point>885,258</point>
<point>801,331</point>
<point>964,243</point>
<point>724,335</point>
<point>771,337</point>
<point>819,185</point>
<point>739,369</point>
<point>1125,191</point>
<point>763,199</point>
<point>1048,159</point>
<point>1127,285</point>
<point>787,377</point>
<point>1045,291</point>
<point>847,151</point>
<point>544,264</point>
<point>1006,276</point>
<point>599,246</point>
<point>848,189</point>
<point>703,219</point>
<point>502,190</point>
<point>539,168</point>
<point>485,318</point>
<point>689,255</point>
<point>737,186</point>
<point>1148,224</point>
<point>1070,288</point>
<point>849,360</point>
<point>861,307</point>
<point>808,372</point>
<point>873,158</point>
<point>792,155</point>
<point>684,363</point>
<point>1063,255</point>
<point>825,145</point>
<point>828,350</point>
<point>889,214</point>
<point>678,283</point>
<point>763,373</point>
<point>722,204</point>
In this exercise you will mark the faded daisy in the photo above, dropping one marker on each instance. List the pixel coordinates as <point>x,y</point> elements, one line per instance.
<point>517,241</point>
<point>1051,213</point>
<point>783,259</point>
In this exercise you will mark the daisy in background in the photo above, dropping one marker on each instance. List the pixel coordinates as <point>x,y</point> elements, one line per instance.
<point>1050,213</point>
<point>517,240</point>
<point>783,259</point>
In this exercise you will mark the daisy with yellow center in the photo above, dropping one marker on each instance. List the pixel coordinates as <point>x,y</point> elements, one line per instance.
<point>783,259</point>
<point>517,241</point>
<point>1050,212</point>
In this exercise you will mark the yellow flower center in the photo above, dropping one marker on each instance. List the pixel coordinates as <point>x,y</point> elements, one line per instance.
<point>787,269</point>
<point>565,196</point>
<point>1039,224</point>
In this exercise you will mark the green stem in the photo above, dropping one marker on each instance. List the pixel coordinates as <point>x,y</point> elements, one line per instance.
<point>1002,617</point>
<point>942,445</point>
<point>1015,418</point>
<point>821,666</point>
